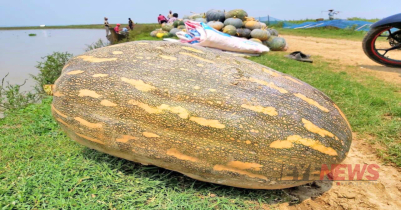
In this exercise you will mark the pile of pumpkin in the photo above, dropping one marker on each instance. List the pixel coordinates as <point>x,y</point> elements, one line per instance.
<point>234,22</point>
<point>169,29</point>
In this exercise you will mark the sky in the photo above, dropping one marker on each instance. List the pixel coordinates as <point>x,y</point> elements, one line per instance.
<point>74,12</point>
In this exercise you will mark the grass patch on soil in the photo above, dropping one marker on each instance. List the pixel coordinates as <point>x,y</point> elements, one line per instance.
<point>40,167</point>
<point>142,32</point>
<point>364,19</point>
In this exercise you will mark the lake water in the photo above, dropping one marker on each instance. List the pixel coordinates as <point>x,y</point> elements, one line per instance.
<point>19,53</point>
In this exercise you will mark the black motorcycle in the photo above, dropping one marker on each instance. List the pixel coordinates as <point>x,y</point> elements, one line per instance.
<point>383,42</point>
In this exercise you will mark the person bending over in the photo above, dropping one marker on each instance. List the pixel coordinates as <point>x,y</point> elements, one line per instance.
<point>161,19</point>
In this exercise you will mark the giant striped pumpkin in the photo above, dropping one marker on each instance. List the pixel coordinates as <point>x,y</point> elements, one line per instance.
<point>206,114</point>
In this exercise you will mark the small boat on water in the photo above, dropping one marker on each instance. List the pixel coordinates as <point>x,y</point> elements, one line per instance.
<point>114,37</point>
<point>42,26</point>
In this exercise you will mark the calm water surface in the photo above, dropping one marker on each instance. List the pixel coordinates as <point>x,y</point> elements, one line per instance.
<point>19,53</point>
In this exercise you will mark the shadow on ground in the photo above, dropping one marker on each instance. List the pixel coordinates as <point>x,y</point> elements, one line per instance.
<point>179,182</point>
<point>382,68</point>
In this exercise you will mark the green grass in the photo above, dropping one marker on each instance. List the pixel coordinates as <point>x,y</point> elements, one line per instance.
<point>41,168</point>
<point>300,21</point>
<point>142,32</point>
<point>364,19</point>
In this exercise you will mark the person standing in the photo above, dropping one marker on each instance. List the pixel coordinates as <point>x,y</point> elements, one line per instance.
<point>170,15</point>
<point>331,14</point>
<point>106,25</point>
<point>130,24</point>
<point>161,19</point>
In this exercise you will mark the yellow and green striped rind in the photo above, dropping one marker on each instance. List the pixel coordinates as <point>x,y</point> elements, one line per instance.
<point>206,114</point>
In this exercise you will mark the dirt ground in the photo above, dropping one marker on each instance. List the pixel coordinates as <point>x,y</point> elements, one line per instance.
<point>385,193</point>
<point>345,52</point>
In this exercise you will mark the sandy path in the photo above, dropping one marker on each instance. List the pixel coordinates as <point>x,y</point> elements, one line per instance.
<point>385,193</point>
<point>345,52</point>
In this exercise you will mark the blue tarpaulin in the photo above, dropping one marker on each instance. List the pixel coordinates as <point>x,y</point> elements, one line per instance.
<point>343,24</point>
<point>357,25</point>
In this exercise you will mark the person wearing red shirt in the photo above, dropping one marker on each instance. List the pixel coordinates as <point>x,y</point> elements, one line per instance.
<point>117,28</point>
<point>161,19</point>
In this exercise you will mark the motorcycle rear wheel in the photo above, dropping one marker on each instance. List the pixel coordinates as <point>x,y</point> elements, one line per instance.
<point>373,53</point>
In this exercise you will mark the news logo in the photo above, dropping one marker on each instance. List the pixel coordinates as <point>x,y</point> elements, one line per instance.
<point>334,172</point>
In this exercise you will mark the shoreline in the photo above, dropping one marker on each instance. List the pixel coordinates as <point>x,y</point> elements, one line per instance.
<point>89,26</point>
